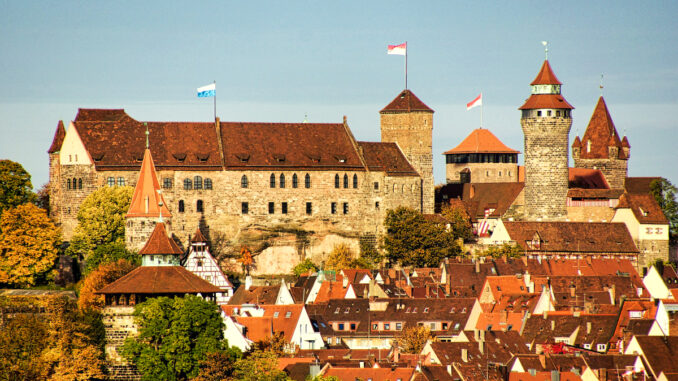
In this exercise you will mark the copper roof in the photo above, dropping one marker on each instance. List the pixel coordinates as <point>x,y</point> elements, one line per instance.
<point>602,133</point>
<point>160,280</point>
<point>546,76</point>
<point>406,101</point>
<point>146,200</point>
<point>160,244</point>
<point>539,101</point>
<point>480,141</point>
<point>587,237</point>
<point>58,139</point>
<point>644,207</point>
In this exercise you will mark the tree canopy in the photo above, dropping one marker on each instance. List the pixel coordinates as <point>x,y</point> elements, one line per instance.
<point>665,194</point>
<point>175,336</point>
<point>458,220</point>
<point>411,240</point>
<point>29,245</point>
<point>413,339</point>
<point>15,185</point>
<point>101,220</point>
<point>97,279</point>
<point>259,366</point>
<point>304,266</point>
<point>110,253</point>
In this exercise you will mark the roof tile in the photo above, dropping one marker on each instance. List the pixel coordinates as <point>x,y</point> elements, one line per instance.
<point>406,101</point>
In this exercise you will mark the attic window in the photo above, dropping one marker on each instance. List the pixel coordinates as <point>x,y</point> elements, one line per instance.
<point>288,314</point>
<point>138,156</point>
<point>202,156</point>
<point>180,156</point>
<point>314,158</point>
<point>279,157</point>
<point>348,309</point>
<point>337,310</point>
<point>275,314</point>
<point>98,156</point>
<point>340,158</point>
<point>243,157</point>
<point>644,213</point>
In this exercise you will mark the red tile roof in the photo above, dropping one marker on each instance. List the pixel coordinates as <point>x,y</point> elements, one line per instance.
<point>255,295</point>
<point>59,136</point>
<point>479,141</point>
<point>546,76</point>
<point>594,193</point>
<point>146,200</point>
<point>160,280</point>
<point>382,374</point>
<point>539,101</point>
<point>587,178</point>
<point>639,185</point>
<point>198,236</point>
<point>96,114</point>
<point>406,101</point>
<point>602,133</point>
<point>644,207</point>
<point>160,244</point>
<point>274,318</point>
<point>386,157</point>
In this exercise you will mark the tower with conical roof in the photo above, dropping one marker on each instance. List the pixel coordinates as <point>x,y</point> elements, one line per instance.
<point>602,148</point>
<point>481,158</point>
<point>408,122</point>
<point>546,121</point>
<point>147,207</point>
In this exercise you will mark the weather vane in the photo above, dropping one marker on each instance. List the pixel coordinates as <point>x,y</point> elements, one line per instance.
<point>601,85</point>
<point>546,49</point>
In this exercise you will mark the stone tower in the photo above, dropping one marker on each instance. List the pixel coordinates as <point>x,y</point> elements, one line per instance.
<point>147,207</point>
<point>408,122</point>
<point>601,148</point>
<point>55,193</point>
<point>546,120</point>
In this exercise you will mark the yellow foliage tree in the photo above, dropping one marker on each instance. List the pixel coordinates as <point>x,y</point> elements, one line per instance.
<point>29,244</point>
<point>412,339</point>
<point>340,257</point>
<point>97,279</point>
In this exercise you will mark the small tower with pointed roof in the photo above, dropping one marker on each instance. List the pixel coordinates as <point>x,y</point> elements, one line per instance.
<point>408,122</point>
<point>481,158</point>
<point>147,206</point>
<point>546,121</point>
<point>602,148</point>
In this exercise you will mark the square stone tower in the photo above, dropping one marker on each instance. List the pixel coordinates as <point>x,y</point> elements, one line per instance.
<point>408,122</point>
<point>546,121</point>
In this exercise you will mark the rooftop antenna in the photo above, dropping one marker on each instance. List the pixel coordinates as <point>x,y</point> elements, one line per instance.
<point>601,85</point>
<point>147,133</point>
<point>546,49</point>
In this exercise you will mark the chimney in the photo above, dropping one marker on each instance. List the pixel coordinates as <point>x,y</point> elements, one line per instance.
<point>314,369</point>
<point>588,327</point>
<point>573,290</point>
<point>553,325</point>
<point>555,375</point>
<point>464,355</point>
<point>481,346</point>
<point>248,282</point>
<point>362,364</point>
<point>477,266</point>
<point>344,281</point>
<point>613,290</point>
<point>396,354</point>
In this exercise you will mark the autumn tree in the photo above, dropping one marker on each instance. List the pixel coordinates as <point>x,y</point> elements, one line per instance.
<point>101,220</point>
<point>97,279</point>
<point>665,194</point>
<point>340,257</point>
<point>246,259</point>
<point>458,220</point>
<point>505,250</point>
<point>15,185</point>
<point>277,343</point>
<point>412,339</point>
<point>259,366</point>
<point>219,365</point>
<point>175,336</point>
<point>29,244</point>
<point>411,240</point>
<point>22,341</point>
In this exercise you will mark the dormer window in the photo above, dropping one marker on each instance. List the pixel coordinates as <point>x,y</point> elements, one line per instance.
<point>138,156</point>
<point>340,158</point>
<point>179,156</point>
<point>243,157</point>
<point>280,158</point>
<point>202,157</point>
<point>314,158</point>
<point>97,156</point>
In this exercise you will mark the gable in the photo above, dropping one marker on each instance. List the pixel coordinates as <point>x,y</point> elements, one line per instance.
<point>73,151</point>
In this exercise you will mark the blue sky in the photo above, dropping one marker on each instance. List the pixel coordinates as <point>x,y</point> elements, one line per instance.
<point>280,61</point>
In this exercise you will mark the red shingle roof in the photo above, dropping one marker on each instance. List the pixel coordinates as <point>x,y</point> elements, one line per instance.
<point>160,280</point>
<point>602,133</point>
<point>406,101</point>
<point>59,136</point>
<point>160,244</point>
<point>97,114</point>
<point>586,178</point>
<point>386,157</point>
<point>480,141</point>
<point>644,207</point>
<point>539,101</point>
<point>546,76</point>
<point>146,201</point>
<point>198,236</point>
<point>639,185</point>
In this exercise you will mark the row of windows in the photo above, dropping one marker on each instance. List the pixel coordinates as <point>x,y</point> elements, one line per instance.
<point>111,181</point>
<point>197,183</point>
<point>355,181</point>
<point>482,158</point>
<point>199,206</point>
<point>282,183</point>
<point>74,184</point>
<point>556,113</point>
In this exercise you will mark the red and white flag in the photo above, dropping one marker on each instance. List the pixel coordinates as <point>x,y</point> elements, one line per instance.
<point>400,50</point>
<point>476,102</point>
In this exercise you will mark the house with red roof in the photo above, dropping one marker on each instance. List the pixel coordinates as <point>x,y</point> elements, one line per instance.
<point>200,262</point>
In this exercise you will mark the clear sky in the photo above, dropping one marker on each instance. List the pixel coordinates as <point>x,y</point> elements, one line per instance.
<point>281,60</point>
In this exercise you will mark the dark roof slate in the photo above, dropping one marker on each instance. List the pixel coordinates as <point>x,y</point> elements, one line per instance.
<point>406,101</point>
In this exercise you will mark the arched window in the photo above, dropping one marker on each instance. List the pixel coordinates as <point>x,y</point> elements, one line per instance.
<point>75,183</point>
<point>395,188</point>
<point>80,183</point>
<point>68,183</point>
<point>282,180</point>
<point>345,180</point>
<point>295,181</point>
<point>181,206</point>
<point>197,182</point>
<point>199,206</point>
<point>188,184</point>
<point>307,180</point>
<point>272,180</point>
<point>243,182</point>
<point>208,183</point>
<point>355,181</point>
<point>336,181</point>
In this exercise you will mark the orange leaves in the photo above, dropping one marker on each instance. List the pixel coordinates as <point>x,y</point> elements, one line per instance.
<point>97,279</point>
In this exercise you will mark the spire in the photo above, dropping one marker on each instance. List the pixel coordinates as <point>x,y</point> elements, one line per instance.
<point>147,200</point>
<point>160,243</point>
<point>147,133</point>
<point>576,143</point>
<point>546,76</point>
<point>59,136</point>
<point>198,237</point>
<point>601,132</point>
<point>625,142</point>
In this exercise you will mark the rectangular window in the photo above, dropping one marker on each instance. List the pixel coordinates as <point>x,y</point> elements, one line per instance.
<point>167,183</point>
<point>121,181</point>
<point>283,208</point>
<point>346,208</point>
<point>399,326</point>
<point>333,208</point>
<point>341,326</point>
<point>245,208</point>
<point>309,208</point>
<point>271,207</point>
<point>111,182</point>
<point>352,326</point>
<point>376,185</point>
<point>375,327</point>
<point>387,326</point>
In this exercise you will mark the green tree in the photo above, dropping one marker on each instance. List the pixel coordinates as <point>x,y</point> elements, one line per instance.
<point>110,253</point>
<point>219,365</point>
<point>15,185</point>
<point>411,240</point>
<point>175,336</point>
<point>259,366</point>
<point>101,220</point>
<point>665,194</point>
<point>304,266</point>
<point>370,258</point>
<point>458,220</point>
<point>29,244</point>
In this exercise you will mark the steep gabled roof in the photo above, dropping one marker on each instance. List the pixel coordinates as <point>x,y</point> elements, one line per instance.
<point>255,295</point>
<point>159,243</point>
<point>198,236</point>
<point>146,200</point>
<point>386,157</point>
<point>59,136</point>
<point>644,207</point>
<point>98,114</point>
<point>481,141</point>
<point>602,134</point>
<point>546,76</point>
<point>639,185</point>
<point>406,101</point>
<point>160,280</point>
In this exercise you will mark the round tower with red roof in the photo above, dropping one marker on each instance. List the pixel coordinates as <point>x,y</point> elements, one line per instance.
<point>546,121</point>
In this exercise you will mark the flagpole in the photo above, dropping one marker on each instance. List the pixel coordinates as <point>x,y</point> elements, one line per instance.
<point>215,100</point>
<point>481,110</point>
<point>405,65</point>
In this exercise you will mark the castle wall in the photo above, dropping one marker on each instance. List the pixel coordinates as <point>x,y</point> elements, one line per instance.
<point>66,202</point>
<point>484,172</point>
<point>590,213</point>
<point>119,325</point>
<point>546,167</point>
<point>614,170</point>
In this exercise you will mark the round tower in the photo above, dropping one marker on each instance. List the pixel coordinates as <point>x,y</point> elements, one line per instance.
<point>546,120</point>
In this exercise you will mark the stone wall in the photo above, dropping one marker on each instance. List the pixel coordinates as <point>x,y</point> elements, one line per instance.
<point>484,172</point>
<point>119,325</point>
<point>590,213</point>
<point>65,203</point>
<point>614,170</point>
<point>651,251</point>
<point>546,167</point>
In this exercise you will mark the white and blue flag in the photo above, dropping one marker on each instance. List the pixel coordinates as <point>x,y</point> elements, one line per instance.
<point>207,91</point>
